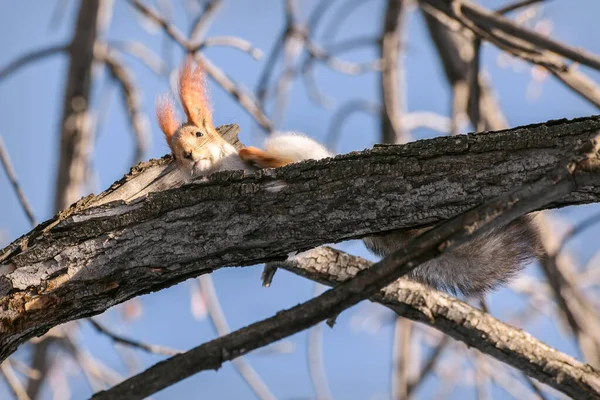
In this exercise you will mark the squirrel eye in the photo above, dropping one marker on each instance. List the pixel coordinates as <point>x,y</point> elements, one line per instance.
<point>188,155</point>
<point>199,134</point>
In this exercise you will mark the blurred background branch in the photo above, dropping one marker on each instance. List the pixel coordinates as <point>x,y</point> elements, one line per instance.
<point>335,69</point>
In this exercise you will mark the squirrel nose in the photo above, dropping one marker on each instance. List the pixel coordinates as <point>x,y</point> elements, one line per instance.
<point>188,155</point>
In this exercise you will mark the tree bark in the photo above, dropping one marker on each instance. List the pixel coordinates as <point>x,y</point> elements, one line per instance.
<point>458,320</point>
<point>127,242</point>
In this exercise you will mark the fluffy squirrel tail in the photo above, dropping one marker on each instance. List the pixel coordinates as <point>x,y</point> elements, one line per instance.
<point>284,148</point>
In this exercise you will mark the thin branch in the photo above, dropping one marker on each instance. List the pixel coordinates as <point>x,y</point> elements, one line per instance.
<point>292,48</point>
<point>142,53</point>
<point>150,348</point>
<point>140,124</point>
<point>579,312</point>
<point>200,26</point>
<point>24,369</point>
<point>576,230</point>
<point>231,41</point>
<point>517,5</point>
<point>474,93</point>
<point>490,20</point>
<point>401,358</point>
<point>75,135</point>
<point>33,56</point>
<point>392,130</point>
<point>460,104</point>
<point>575,80</point>
<point>535,388</point>
<point>344,112</point>
<point>427,119</point>
<point>451,49</point>
<point>12,177</point>
<point>219,322</point>
<point>429,365</point>
<point>243,98</point>
<point>263,80</point>
<point>13,381</point>
<point>316,365</point>
<point>340,16</point>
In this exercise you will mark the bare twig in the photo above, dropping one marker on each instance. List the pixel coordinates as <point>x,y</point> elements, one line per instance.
<point>231,41</point>
<point>474,93</point>
<point>150,348</point>
<point>451,49</point>
<point>200,26</point>
<point>392,130</point>
<point>427,119</point>
<point>344,112</point>
<point>139,121</point>
<point>243,98</point>
<point>33,56</point>
<point>12,177</point>
<point>460,103</point>
<point>517,5</point>
<point>429,365</point>
<point>488,20</point>
<point>219,322</point>
<point>579,312</point>
<point>41,361</point>
<point>75,135</point>
<point>13,381</point>
<point>401,358</point>
<point>316,365</point>
<point>293,45</point>
<point>574,79</point>
<point>576,230</point>
<point>141,52</point>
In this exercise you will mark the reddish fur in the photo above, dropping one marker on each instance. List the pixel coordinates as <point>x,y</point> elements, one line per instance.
<point>192,92</point>
<point>165,113</point>
<point>261,159</point>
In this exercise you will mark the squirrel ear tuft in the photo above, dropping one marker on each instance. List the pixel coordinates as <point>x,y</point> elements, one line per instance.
<point>165,113</point>
<point>193,94</point>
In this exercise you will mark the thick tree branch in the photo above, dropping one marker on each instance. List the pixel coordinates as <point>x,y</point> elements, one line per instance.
<point>501,210</point>
<point>457,319</point>
<point>127,241</point>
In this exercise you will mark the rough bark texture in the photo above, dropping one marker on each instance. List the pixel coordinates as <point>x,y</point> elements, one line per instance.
<point>459,320</point>
<point>100,253</point>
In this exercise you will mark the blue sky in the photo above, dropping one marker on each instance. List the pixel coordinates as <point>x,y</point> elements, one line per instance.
<point>357,361</point>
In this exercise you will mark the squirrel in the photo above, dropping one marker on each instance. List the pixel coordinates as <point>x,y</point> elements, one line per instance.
<point>472,269</point>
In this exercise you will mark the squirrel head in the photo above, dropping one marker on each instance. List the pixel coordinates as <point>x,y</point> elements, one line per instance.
<point>195,144</point>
